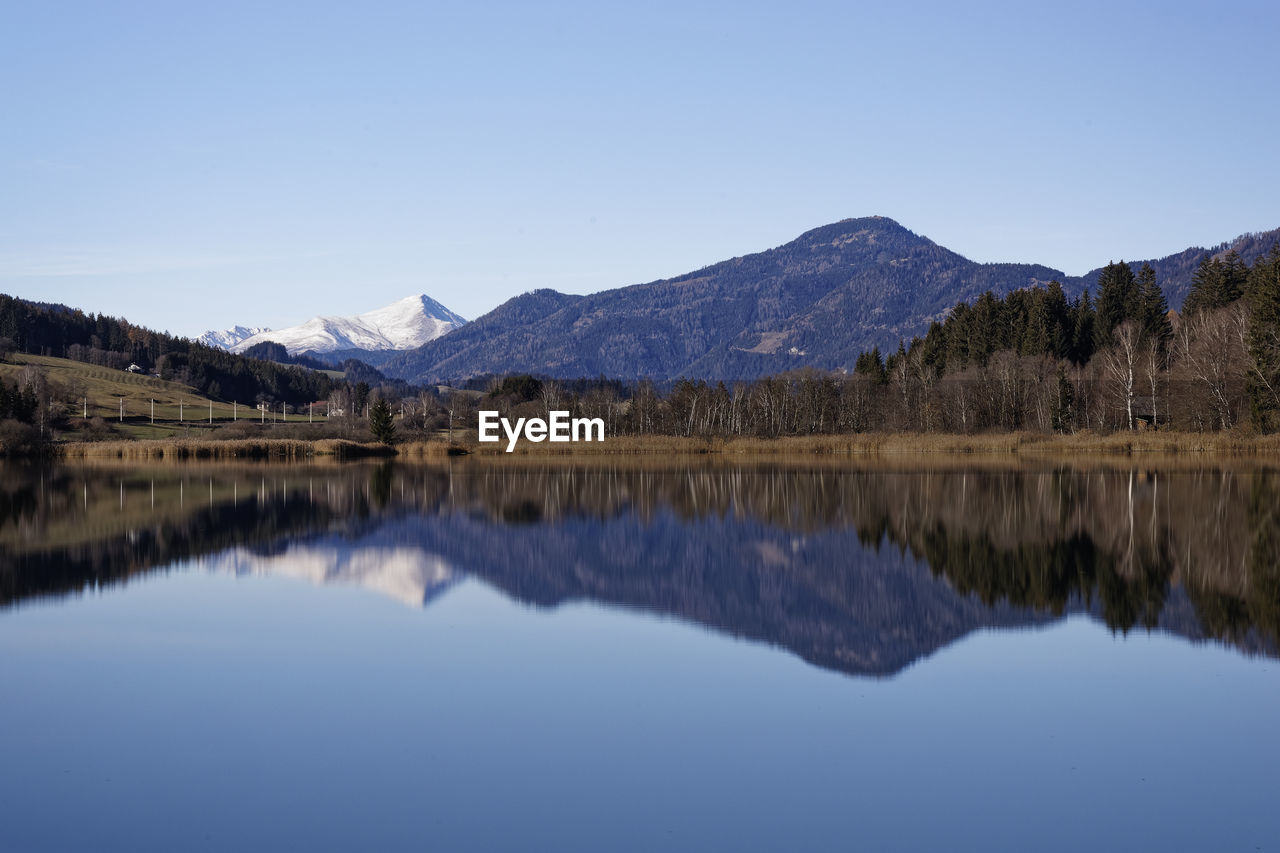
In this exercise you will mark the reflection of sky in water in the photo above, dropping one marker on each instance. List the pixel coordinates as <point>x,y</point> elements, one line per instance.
<point>191,710</point>
<point>642,662</point>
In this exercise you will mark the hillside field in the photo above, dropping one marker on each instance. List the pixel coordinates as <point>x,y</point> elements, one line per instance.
<point>98,391</point>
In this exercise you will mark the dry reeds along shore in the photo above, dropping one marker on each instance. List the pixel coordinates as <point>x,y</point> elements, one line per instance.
<point>866,444</point>
<point>874,444</point>
<point>247,448</point>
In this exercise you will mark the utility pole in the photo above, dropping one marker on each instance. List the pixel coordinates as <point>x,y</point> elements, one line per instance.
<point>311,412</point>
<point>153,411</point>
<point>179,410</point>
<point>210,411</point>
<point>86,408</point>
<point>235,411</point>
<point>122,409</point>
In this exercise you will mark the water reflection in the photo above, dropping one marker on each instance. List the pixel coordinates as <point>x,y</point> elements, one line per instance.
<point>861,570</point>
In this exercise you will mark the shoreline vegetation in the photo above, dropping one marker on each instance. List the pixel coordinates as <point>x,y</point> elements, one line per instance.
<point>1024,374</point>
<point>286,449</point>
<point>1018,444</point>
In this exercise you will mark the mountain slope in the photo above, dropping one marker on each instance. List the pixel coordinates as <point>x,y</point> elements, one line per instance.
<point>227,338</point>
<point>1175,271</point>
<point>817,301</point>
<point>402,325</point>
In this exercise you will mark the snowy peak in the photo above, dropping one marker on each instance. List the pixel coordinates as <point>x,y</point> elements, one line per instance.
<point>228,338</point>
<point>403,325</point>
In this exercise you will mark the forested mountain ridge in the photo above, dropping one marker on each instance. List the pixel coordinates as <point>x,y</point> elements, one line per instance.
<point>1175,272</point>
<point>63,332</point>
<point>817,301</point>
<point>812,302</point>
<point>485,334</point>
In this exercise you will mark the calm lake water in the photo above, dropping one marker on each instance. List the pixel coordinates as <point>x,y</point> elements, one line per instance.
<point>530,656</point>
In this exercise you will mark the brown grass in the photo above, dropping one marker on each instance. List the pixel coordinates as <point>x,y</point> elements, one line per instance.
<point>416,450</point>
<point>882,444</point>
<point>866,445</point>
<point>249,448</point>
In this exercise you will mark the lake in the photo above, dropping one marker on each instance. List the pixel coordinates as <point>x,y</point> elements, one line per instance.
<point>640,655</point>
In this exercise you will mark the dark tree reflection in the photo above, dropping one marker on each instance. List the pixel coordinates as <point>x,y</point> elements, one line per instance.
<point>862,569</point>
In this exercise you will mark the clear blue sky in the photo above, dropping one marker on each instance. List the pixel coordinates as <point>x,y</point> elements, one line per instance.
<point>190,166</point>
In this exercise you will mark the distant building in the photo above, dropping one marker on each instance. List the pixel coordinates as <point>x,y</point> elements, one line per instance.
<point>133,368</point>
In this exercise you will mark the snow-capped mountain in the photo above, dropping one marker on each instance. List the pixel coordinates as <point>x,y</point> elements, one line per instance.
<point>403,325</point>
<point>228,338</point>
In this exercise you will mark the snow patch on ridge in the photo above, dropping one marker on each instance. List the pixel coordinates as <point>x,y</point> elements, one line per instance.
<point>403,325</point>
<point>227,338</point>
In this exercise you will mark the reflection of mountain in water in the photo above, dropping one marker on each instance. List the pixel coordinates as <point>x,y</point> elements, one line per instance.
<point>825,597</point>
<point>407,574</point>
<point>862,571</point>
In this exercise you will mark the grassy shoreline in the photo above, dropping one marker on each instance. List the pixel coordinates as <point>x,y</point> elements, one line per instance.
<point>886,444</point>
<point>289,449</point>
<point>860,445</point>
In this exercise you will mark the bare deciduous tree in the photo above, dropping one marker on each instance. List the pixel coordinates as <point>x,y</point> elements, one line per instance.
<point>1120,364</point>
<point>1212,348</point>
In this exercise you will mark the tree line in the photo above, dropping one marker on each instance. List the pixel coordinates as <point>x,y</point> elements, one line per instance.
<point>1031,360</point>
<point>62,332</point>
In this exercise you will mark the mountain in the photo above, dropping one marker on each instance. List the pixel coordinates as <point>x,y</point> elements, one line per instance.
<point>1175,271</point>
<point>402,325</point>
<point>863,571</point>
<point>817,301</point>
<point>228,338</point>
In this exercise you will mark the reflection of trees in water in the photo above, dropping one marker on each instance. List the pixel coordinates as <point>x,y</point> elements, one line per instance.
<point>380,485</point>
<point>74,567</point>
<point>66,529</point>
<point>1052,539</point>
<point>1233,614</point>
<point>1114,539</point>
<point>1051,575</point>
<point>1264,553</point>
<point>1127,569</point>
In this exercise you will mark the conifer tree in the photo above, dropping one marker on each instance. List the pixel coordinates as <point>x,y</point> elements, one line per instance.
<point>1264,341</point>
<point>1153,311</point>
<point>957,328</point>
<point>933,350</point>
<point>984,336</point>
<point>1058,312</point>
<point>1235,277</point>
<point>871,364</point>
<point>1205,286</point>
<point>1036,330</point>
<point>1117,301</point>
<point>1084,319</point>
<point>380,422</point>
<point>1217,283</point>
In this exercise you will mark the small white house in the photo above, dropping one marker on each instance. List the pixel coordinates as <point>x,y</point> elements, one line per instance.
<point>133,368</point>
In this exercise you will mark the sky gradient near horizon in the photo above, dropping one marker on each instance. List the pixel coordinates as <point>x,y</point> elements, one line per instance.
<point>191,167</point>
